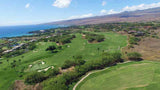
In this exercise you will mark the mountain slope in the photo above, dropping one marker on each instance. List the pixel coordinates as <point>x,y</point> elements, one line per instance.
<point>132,16</point>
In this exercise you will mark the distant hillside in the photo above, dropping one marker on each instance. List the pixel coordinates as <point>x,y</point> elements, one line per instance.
<point>133,16</point>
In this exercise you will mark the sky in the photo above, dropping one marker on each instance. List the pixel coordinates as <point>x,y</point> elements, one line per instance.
<point>24,12</point>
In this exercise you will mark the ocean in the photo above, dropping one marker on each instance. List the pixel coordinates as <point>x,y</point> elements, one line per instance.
<point>13,31</point>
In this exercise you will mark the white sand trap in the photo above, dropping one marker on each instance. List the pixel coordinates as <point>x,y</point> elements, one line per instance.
<point>39,70</point>
<point>30,66</point>
<point>46,69</point>
<point>43,63</point>
<point>52,67</point>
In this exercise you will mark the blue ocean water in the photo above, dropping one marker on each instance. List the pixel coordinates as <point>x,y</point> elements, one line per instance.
<point>12,31</point>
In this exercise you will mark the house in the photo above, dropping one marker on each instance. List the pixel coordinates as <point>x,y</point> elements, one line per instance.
<point>139,33</point>
<point>132,32</point>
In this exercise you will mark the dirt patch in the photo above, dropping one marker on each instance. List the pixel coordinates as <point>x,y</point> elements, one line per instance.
<point>83,36</point>
<point>148,47</point>
<point>19,85</point>
<point>67,70</point>
<point>59,44</point>
<point>122,33</point>
<point>93,42</point>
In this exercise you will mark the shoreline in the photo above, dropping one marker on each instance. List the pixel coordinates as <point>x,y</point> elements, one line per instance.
<point>26,30</point>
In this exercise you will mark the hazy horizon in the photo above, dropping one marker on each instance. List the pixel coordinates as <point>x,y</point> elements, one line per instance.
<point>30,12</point>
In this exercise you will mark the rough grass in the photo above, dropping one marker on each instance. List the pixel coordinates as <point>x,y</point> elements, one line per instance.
<point>78,46</point>
<point>142,75</point>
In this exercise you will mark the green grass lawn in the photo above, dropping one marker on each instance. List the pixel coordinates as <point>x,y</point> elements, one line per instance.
<point>78,46</point>
<point>144,75</point>
<point>1,41</point>
<point>8,74</point>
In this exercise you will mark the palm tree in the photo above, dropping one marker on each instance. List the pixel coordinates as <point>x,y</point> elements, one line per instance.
<point>98,50</point>
<point>22,56</point>
<point>19,60</point>
<point>14,61</point>
<point>13,65</point>
<point>8,61</point>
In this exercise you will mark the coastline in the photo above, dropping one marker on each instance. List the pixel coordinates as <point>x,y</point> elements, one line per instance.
<point>20,31</point>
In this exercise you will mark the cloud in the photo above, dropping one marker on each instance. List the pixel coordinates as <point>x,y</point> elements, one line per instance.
<point>112,12</point>
<point>27,5</point>
<point>62,3</point>
<point>131,8</point>
<point>104,3</point>
<point>103,11</point>
<point>141,7</point>
<point>81,16</point>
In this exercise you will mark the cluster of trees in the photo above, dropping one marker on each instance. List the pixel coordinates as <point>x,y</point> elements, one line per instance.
<point>134,40</point>
<point>60,39</point>
<point>134,56</point>
<point>64,39</point>
<point>37,77</point>
<point>31,46</point>
<point>53,48</point>
<point>62,82</point>
<point>94,37</point>
<point>78,60</point>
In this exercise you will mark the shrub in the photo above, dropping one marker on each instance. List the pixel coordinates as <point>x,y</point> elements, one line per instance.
<point>94,37</point>
<point>65,40</point>
<point>134,40</point>
<point>100,38</point>
<point>1,62</point>
<point>130,46</point>
<point>57,83</point>
<point>59,47</point>
<point>32,46</point>
<point>51,48</point>
<point>134,56</point>
<point>69,63</point>
<point>34,77</point>
<point>52,72</point>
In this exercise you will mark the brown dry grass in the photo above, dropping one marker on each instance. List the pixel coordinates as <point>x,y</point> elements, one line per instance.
<point>148,47</point>
<point>19,85</point>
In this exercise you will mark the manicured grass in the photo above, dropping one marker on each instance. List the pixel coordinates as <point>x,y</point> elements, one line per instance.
<point>144,75</point>
<point>78,46</point>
